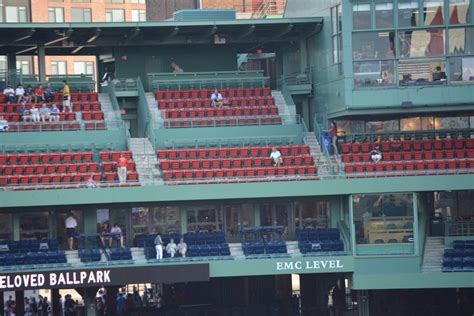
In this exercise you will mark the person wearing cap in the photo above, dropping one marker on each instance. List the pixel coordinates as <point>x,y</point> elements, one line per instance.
<point>9,93</point>
<point>66,97</point>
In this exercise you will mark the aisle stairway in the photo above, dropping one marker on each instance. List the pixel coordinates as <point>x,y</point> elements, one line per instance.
<point>433,256</point>
<point>287,114</point>
<point>324,167</point>
<point>111,116</point>
<point>146,161</point>
<point>153,108</point>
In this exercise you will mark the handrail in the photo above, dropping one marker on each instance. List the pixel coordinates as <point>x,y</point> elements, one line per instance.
<point>125,84</point>
<point>458,228</point>
<point>206,83</point>
<point>142,103</point>
<point>408,135</point>
<point>318,132</point>
<point>113,100</point>
<point>233,141</point>
<point>342,226</point>
<point>205,73</point>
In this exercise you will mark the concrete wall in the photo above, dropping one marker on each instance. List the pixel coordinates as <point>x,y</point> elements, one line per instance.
<point>157,10</point>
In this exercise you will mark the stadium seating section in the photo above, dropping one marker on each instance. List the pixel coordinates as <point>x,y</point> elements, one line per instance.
<point>61,169</point>
<point>86,104</point>
<point>263,240</point>
<point>238,164</point>
<point>319,240</point>
<point>120,254</point>
<point>460,258</point>
<point>89,255</point>
<point>192,108</point>
<point>29,252</point>
<point>410,157</point>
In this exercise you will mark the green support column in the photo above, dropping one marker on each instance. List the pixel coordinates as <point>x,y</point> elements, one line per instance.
<point>90,221</point>
<point>55,302</point>
<point>11,65</point>
<point>303,55</point>
<point>20,302</point>
<point>16,226</point>
<point>257,215</point>
<point>42,63</point>
<point>363,303</point>
<point>184,221</point>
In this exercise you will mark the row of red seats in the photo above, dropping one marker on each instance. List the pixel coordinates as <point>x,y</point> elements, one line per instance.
<point>240,173</point>
<point>235,152</point>
<point>67,116</point>
<point>236,102</point>
<point>241,180</point>
<point>75,96</point>
<point>445,144</point>
<point>114,155</point>
<point>245,111</point>
<point>77,106</point>
<point>206,93</point>
<point>244,121</point>
<point>232,163</point>
<point>96,116</point>
<point>108,166</point>
<point>49,168</point>
<point>66,157</point>
<point>433,167</point>
<point>63,178</point>
<point>412,155</point>
<point>45,127</point>
<point>70,186</point>
<point>95,126</point>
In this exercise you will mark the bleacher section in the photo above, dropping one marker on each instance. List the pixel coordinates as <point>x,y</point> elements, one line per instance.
<point>423,157</point>
<point>120,254</point>
<point>87,113</point>
<point>90,255</point>
<point>263,240</point>
<point>30,252</point>
<point>242,106</point>
<point>236,164</point>
<point>460,258</point>
<point>67,170</point>
<point>319,240</point>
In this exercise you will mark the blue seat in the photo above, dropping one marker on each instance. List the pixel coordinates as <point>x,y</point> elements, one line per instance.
<point>214,250</point>
<point>204,251</point>
<point>379,241</point>
<point>224,250</point>
<point>220,237</point>
<point>391,226</point>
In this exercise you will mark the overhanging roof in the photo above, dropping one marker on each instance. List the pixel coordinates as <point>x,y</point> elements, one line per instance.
<point>92,38</point>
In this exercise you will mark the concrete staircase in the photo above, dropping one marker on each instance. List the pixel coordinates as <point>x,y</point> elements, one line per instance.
<point>288,114</point>
<point>72,257</point>
<point>138,255</point>
<point>433,254</point>
<point>236,250</point>
<point>324,167</point>
<point>146,161</point>
<point>293,249</point>
<point>153,107</point>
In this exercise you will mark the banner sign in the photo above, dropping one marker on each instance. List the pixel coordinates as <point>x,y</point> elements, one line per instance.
<point>104,276</point>
<point>311,265</point>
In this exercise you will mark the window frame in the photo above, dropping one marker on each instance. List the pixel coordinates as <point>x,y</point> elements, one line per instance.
<point>58,62</point>
<point>55,11</point>
<point>336,34</point>
<point>83,10</point>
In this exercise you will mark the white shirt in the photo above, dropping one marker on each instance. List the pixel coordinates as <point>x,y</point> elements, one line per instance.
<point>20,91</point>
<point>216,96</point>
<point>116,230</point>
<point>8,91</point>
<point>275,155</point>
<point>71,222</point>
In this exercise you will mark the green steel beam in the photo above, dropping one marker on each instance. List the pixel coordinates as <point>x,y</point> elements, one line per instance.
<point>289,189</point>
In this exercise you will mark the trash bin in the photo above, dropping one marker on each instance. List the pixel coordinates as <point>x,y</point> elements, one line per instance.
<point>326,141</point>
<point>436,226</point>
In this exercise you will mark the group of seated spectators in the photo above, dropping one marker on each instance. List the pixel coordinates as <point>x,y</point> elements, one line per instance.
<point>28,95</point>
<point>42,114</point>
<point>172,249</point>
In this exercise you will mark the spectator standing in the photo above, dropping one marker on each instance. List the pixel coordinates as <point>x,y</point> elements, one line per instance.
<point>69,305</point>
<point>122,168</point>
<point>45,113</point>
<point>48,93</point>
<point>159,247</point>
<point>45,307</point>
<point>100,307</point>
<point>333,132</point>
<point>3,124</point>
<point>55,116</point>
<point>66,97</point>
<point>216,99</point>
<point>71,224</point>
<point>39,94</point>
<point>120,304</point>
<point>117,230</point>
<point>171,248</point>
<point>182,248</point>
<point>9,93</point>
<point>19,93</point>
<point>176,68</point>
<point>276,157</point>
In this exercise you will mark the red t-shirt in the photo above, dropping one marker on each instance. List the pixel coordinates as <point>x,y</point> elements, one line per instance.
<point>122,162</point>
<point>39,91</point>
<point>334,131</point>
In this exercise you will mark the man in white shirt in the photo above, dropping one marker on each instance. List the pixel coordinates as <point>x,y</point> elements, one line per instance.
<point>19,93</point>
<point>216,99</point>
<point>117,230</point>
<point>71,225</point>
<point>277,159</point>
<point>3,124</point>
<point>9,93</point>
<point>34,114</point>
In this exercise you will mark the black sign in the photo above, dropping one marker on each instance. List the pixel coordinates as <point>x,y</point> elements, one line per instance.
<point>104,277</point>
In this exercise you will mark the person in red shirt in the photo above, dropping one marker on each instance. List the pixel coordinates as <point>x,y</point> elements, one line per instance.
<point>334,137</point>
<point>122,169</point>
<point>39,94</point>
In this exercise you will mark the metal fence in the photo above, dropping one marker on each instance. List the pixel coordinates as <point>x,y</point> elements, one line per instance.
<point>458,228</point>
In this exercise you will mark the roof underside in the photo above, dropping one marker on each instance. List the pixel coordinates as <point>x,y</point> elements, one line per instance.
<point>95,38</point>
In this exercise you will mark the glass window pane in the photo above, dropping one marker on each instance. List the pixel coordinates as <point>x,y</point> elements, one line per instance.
<point>335,49</point>
<point>374,73</point>
<point>459,12</point>
<point>422,43</point>
<point>382,126</point>
<point>383,218</point>
<point>421,71</point>
<point>361,16</point>
<point>455,122</point>
<point>34,225</point>
<point>334,20</point>
<point>461,41</point>
<point>383,14</point>
<point>427,123</point>
<point>373,45</point>
<point>11,14</point>
<point>410,124</point>
<point>433,12</point>
<point>408,13</point>
<point>461,69</point>
<point>22,14</point>
<point>6,227</point>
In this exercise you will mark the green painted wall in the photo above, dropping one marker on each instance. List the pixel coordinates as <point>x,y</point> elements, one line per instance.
<point>138,61</point>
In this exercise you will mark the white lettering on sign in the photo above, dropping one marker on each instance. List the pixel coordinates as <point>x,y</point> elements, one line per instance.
<point>308,265</point>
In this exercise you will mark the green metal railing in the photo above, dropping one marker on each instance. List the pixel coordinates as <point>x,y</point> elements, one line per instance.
<point>125,84</point>
<point>144,110</point>
<point>233,142</point>
<point>318,131</point>
<point>458,228</point>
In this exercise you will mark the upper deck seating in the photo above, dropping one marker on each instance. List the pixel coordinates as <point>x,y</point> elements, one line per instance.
<point>460,258</point>
<point>242,106</point>
<point>410,157</point>
<point>206,244</point>
<point>263,240</point>
<point>238,164</point>
<point>26,252</point>
<point>120,254</point>
<point>60,170</point>
<point>319,240</point>
<point>84,103</point>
